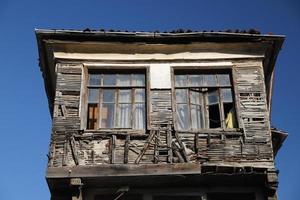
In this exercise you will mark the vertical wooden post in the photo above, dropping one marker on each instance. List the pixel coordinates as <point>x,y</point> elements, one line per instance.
<point>126,149</point>
<point>169,145</point>
<point>113,149</point>
<point>196,142</point>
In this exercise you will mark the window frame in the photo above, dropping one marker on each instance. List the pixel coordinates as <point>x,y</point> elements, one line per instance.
<point>207,70</point>
<point>83,112</point>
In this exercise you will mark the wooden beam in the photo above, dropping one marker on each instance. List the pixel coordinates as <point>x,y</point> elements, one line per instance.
<point>177,153</point>
<point>182,147</point>
<point>169,145</point>
<point>113,149</point>
<point>74,150</point>
<point>126,149</point>
<point>65,154</point>
<point>123,170</point>
<point>146,145</point>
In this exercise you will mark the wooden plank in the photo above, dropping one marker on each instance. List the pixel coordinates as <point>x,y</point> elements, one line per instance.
<point>182,147</point>
<point>64,110</point>
<point>177,153</point>
<point>146,145</point>
<point>156,144</point>
<point>65,154</point>
<point>169,145</point>
<point>113,149</point>
<point>196,143</point>
<point>123,170</point>
<point>126,149</point>
<point>74,150</point>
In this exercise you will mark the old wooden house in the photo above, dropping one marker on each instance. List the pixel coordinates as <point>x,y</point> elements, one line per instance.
<point>157,116</point>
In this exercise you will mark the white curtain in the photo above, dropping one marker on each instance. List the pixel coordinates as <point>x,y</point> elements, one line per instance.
<point>124,116</point>
<point>139,116</point>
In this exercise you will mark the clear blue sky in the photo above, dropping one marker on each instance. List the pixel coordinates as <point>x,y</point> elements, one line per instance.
<point>25,121</point>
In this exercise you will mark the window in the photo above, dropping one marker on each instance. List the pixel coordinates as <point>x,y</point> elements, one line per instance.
<point>116,99</point>
<point>204,100</point>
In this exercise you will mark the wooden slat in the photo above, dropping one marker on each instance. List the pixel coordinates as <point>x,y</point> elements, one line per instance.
<point>74,150</point>
<point>146,145</point>
<point>126,149</point>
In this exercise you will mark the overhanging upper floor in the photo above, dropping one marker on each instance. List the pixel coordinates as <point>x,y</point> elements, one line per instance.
<point>132,47</point>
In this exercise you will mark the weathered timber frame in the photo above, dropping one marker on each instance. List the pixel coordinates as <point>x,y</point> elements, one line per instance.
<point>211,68</point>
<point>113,67</point>
<point>161,156</point>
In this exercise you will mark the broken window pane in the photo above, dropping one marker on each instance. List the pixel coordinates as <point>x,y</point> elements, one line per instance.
<point>95,79</point>
<point>109,79</point>
<point>224,79</point>
<point>181,80</point>
<point>93,96</point>
<point>213,109</point>
<point>199,103</point>
<point>213,97</point>
<point>138,80</point>
<point>107,115</point>
<point>214,116</point>
<point>139,116</point>
<point>182,116</point>
<point>124,116</point>
<point>108,95</point>
<point>123,80</point>
<point>181,95</point>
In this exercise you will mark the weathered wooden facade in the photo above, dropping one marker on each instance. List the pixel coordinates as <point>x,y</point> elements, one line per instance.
<point>195,125</point>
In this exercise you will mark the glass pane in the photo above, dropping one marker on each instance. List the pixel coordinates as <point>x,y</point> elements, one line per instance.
<point>182,117</point>
<point>180,80</point>
<point>209,80</point>
<point>213,97</point>
<point>95,79</point>
<point>197,117</point>
<point>181,95</point>
<point>224,79</point>
<point>107,113</point>
<point>109,79</point>
<point>227,95</point>
<point>139,116</point>
<point>108,96</point>
<point>123,80</point>
<point>139,95</point>
<point>93,96</point>
<point>138,79</point>
<point>124,116</point>
<point>196,80</point>
<point>196,97</point>
<point>124,96</point>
